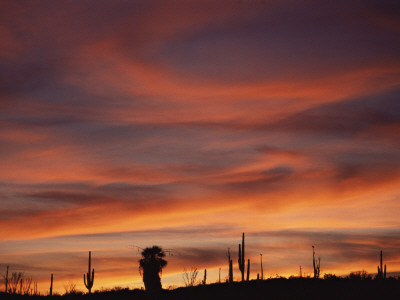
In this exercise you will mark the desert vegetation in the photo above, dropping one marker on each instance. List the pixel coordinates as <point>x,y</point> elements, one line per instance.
<point>357,285</point>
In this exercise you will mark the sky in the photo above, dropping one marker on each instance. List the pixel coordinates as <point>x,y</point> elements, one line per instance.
<point>182,124</point>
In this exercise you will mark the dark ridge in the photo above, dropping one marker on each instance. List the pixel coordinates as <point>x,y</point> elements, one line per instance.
<point>279,288</point>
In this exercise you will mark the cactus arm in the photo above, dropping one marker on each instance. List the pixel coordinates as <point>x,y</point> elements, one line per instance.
<point>243,249</point>
<point>313,258</point>
<point>240,258</point>
<point>240,262</point>
<point>240,254</point>
<point>248,270</point>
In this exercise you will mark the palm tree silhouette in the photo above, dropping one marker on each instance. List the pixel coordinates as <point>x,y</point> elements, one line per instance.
<point>151,266</point>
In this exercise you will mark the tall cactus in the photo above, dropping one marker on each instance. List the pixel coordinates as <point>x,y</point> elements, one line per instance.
<point>316,265</point>
<point>248,270</point>
<point>381,271</point>
<point>51,285</point>
<point>205,277</point>
<point>241,258</point>
<point>89,278</point>
<point>230,271</point>
<point>228,254</point>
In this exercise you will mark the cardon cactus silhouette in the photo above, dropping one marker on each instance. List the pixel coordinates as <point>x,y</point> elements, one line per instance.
<point>316,265</point>
<point>51,285</point>
<point>151,266</point>
<point>381,271</point>
<point>241,260</point>
<point>228,254</point>
<point>89,278</point>
<point>248,270</point>
<point>230,271</point>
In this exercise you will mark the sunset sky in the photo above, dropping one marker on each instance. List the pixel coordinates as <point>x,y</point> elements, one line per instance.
<point>184,123</point>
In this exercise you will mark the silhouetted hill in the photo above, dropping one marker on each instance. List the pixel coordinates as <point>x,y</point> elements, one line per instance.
<point>280,288</point>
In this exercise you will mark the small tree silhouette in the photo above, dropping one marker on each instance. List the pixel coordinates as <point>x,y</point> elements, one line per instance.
<point>151,266</point>
<point>6,280</point>
<point>70,288</point>
<point>15,282</point>
<point>190,277</point>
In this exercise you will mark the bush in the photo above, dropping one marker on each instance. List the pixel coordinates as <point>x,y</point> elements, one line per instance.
<point>359,275</point>
<point>330,276</point>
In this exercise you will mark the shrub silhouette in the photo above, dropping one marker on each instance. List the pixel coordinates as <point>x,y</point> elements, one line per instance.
<point>359,275</point>
<point>190,277</point>
<point>328,276</point>
<point>15,282</point>
<point>6,280</point>
<point>151,266</point>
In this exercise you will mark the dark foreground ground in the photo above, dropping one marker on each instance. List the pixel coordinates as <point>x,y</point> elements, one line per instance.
<point>267,289</point>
